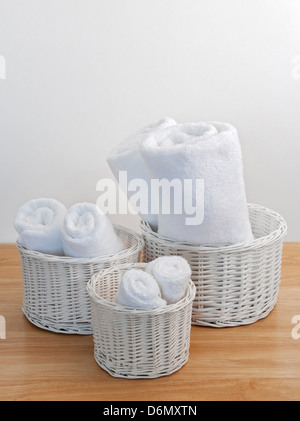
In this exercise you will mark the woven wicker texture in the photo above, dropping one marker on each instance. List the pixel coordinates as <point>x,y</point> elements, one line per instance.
<point>236,284</point>
<point>54,287</point>
<point>138,343</point>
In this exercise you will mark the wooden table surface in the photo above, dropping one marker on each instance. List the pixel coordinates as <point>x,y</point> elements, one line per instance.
<point>260,361</point>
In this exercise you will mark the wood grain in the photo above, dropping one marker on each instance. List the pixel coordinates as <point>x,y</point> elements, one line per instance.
<point>255,362</point>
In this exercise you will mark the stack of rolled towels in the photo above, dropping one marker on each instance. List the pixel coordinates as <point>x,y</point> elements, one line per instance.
<point>206,151</point>
<point>164,281</point>
<point>47,226</point>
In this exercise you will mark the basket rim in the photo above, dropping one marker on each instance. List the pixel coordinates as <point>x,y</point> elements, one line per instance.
<point>257,242</point>
<point>138,246</point>
<point>94,296</point>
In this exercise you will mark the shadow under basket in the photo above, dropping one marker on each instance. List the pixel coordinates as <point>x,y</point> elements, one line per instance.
<point>138,343</point>
<point>237,284</point>
<point>54,287</point>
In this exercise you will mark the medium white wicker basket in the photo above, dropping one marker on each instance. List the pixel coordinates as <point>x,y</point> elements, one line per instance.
<point>138,343</point>
<point>235,285</point>
<point>54,287</point>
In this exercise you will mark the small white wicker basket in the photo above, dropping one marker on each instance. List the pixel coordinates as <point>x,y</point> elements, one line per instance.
<point>235,285</point>
<point>138,343</point>
<point>54,287</point>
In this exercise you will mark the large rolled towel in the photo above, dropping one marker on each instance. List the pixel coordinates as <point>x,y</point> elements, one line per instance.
<point>126,157</point>
<point>172,274</point>
<point>39,223</point>
<point>88,232</point>
<point>201,151</point>
<point>138,289</point>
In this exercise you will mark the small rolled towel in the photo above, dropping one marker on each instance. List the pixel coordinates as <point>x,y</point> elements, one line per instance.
<point>88,232</point>
<point>210,152</point>
<point>126,157</point>
<point>172,274</point>
<point>39,223</point>
<point>138,289</point>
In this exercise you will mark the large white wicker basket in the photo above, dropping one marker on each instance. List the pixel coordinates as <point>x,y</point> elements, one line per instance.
<point>138,343</point>
<point>54,287</point>
<point>235,285</point>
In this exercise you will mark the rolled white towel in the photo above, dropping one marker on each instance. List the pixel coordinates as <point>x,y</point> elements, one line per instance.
<point>126,157</point>
<point>39,223</point>
<point>172,274</point>
<point>138,289</point>
<point>210,152</point>
<point>88,232</point>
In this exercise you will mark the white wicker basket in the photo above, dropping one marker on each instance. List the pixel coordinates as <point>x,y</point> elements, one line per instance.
<point>138,343</point>
<point>235,285</point>
<point>54,287</point>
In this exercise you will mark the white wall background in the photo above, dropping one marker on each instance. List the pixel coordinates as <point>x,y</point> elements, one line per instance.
<point>81,75</point>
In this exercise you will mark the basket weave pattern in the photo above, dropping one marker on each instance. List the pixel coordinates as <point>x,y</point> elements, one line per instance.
<point>138,343</point>
<point>54,287</point>
<point>236,284</point>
